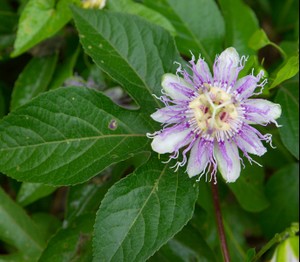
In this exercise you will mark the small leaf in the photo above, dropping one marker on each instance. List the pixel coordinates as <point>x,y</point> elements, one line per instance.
<point>289,69</point>
<point>201,31</point>
<point>72,243</point>
<point>138,61</point>
<point>65,70</point>
<point>128,6</point>
<point>259,40</point>
<point>18,230</point>
<point>142,212</point>
<point>241,24</point>
<point>282,191</point>
<point>288,98</point>
<point>33,80</point>
<point>69,135</point>
<point>39,20</point>
<point>30,192</point>
<point>248,189</point>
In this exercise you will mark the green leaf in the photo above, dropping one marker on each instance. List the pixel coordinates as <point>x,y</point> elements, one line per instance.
<point>39,20</point>
<point>71,243</point>
<point>199,25</point>
<point>65,70</point>
<point>47,224</point>
<point>288,98</point>
<point>68,135</point>
<point>136,54</point>
<point>33,80</point>
<point>18,230</point>
<point>282,190</point>
<point>259,40</point>
<point>248,189</point>
<point>142,212</point>
<point>86,198</point>
<point>8,21</point>
<point>289,69</point>
<point>187,245</point>
<point>130,7</point>
<point>30,192</point>
<point>241,24</point>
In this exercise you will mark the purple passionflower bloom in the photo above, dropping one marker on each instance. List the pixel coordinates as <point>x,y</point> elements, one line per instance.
<point>210,116</point>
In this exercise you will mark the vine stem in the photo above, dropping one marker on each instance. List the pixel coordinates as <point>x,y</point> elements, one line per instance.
<point>220,224</point>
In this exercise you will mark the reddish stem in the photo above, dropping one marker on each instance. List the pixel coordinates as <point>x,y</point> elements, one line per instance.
<point>220,224</point>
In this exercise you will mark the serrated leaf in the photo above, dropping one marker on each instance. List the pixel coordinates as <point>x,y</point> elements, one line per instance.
<point>18,230</point>
<point>248,189</point>
<point>39,20</point>
<point>128,6</point>
<point>241,24</point>
<point>288,98</point>
<point>33,80</point>
<point>282,190</point>
<point>67,136</point>
<point>289,69</point>
<point>142,212</point>
<point>30,192</point>
<point>201,31</point>
<point>136,54</point>
<point>72,243</point>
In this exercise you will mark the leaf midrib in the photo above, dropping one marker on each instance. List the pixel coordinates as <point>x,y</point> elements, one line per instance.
<point>72,140</point>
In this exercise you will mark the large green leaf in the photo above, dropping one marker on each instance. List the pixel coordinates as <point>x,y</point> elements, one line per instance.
<point>283,192</point>
<point>33,80</point>
<point>39,20</point>
<point>129,6</point>
<point>241,24</point>
<point>142,212</point>
<point>67,136</point>
<point>132,51</point>
<point>199,25</point>
<point>248,189</point>
<point>288,98</point>
<point>18,230</point>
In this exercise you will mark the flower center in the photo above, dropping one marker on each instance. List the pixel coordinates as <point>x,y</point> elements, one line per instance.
<point>213,110</point>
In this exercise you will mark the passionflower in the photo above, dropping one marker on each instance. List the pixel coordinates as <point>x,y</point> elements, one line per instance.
<point>209,117</point>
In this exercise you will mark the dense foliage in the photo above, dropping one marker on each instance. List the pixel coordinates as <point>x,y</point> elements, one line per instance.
<point>79,180</point>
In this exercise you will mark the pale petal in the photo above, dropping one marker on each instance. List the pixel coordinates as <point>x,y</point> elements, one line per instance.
<point>199,157</point>
<point>202,72</point>
<point>261,111</point>
<point>246,86</point>
<point>249,142</point>
<point>176,87</point>
<point>227,66</point>
<point>228,161</point>
<point>171,139</point>
<point>169,114</point>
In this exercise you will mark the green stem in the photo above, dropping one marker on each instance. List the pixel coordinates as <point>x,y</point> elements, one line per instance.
<point>289,232</point>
